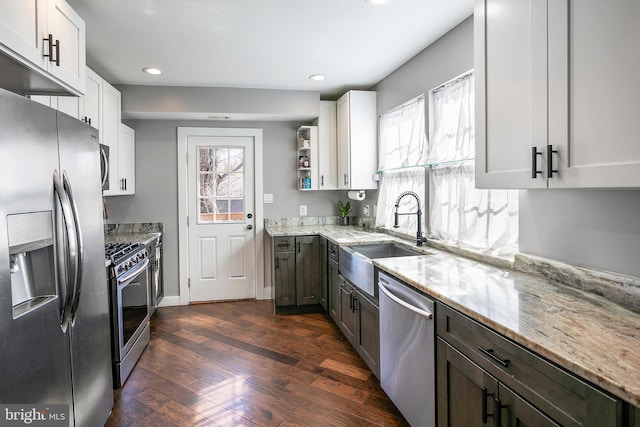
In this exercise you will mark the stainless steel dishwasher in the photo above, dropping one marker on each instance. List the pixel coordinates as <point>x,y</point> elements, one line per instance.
<point>407,350</point>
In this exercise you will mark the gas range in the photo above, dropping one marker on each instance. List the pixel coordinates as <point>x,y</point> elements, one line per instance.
<point>125,256</point>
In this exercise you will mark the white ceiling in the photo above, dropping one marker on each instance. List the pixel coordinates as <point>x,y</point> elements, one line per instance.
<point>269,44</point>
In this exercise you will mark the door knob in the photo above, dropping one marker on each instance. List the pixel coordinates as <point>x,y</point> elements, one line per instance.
<point>249,227</point>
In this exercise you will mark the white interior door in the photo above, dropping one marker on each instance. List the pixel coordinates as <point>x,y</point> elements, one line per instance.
<point>221,217</point>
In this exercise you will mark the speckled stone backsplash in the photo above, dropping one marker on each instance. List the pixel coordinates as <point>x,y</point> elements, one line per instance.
<point>318,220</point>
<point>618,288</point>
<point>141,227</point>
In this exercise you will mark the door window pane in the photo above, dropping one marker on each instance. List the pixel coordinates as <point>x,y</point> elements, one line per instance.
<point>220,184</point>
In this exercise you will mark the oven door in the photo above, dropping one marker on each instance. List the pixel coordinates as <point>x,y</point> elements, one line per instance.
<point>133,308</point>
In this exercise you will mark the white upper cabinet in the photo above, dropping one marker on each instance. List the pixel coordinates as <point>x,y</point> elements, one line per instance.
<point>126,160</point>
<point>92,101</point>
<point>66,28</point>
<point>19,31</point>
<point>110,113</point>
<point>556,94</point>
<point>327,146</point>
<point>47,37</point>
<point>357,143</point>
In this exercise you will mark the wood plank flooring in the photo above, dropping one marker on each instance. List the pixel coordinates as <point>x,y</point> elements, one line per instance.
<point>238,364</point>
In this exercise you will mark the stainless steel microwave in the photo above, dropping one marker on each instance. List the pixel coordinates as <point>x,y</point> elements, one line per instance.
<point>104,166</point>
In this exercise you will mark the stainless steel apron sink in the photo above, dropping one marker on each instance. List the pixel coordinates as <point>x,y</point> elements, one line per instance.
<point>356,262</point>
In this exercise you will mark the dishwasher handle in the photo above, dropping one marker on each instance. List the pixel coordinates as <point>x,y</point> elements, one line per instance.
<point>404,304</point>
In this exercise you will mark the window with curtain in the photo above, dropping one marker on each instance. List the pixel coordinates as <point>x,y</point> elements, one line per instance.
<point>401,162</point>
<point>459,214</point>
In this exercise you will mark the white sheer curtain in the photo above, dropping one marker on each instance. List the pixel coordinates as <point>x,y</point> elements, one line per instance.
<point>459,214</point>
<point>401,162</point>
<point>402,136</point>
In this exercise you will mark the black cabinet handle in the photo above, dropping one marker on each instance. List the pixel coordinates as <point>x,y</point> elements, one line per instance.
<point>498,409</point>
<point>485,396</point>
<point>298,247</point>
<point>277,263</point>
<point>57,45</point>
<point>356,304</point>
<point>49,41</point>
<point>550,153</point>
<point>491,355</point>
<point>322,180</point>
<point>350,302</point>
<point>534,162</point>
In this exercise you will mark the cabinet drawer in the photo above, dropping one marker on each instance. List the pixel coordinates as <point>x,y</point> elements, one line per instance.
<point>567,399</point>
<point>284,244</point>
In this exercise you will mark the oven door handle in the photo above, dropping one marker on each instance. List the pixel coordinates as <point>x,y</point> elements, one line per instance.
<point>128,277</point>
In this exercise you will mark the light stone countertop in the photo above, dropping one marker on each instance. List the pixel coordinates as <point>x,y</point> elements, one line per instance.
<point>582,332</point>
<point>339,235</point>
<point>144,238</point>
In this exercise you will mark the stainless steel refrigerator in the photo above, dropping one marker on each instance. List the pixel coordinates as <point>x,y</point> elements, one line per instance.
<point>55,344</point>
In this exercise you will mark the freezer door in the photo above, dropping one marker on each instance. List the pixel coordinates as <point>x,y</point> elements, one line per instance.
<point>90,327</point>
<point>34,350</point>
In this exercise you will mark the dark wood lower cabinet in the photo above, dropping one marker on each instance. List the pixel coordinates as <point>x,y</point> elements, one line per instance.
<point>468,396</point>
<point>483,378</point>
<point>308,270</point>
<point>297,274</point>
<point>324,291</point>
<point>367,333</point>
<point>360,324</point>
<point>460,385</point>
<point>284,271</point>
<point>347,322</point>
<point>333,290</point>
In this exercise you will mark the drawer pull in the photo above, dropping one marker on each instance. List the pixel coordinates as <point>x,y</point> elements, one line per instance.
<point>491,355</point>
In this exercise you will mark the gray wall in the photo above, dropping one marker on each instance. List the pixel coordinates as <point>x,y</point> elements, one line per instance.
<point>593,228</point>
<point>157,182</point>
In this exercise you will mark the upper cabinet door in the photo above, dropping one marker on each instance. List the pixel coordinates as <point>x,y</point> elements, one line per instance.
<point>92,101</point>
<point>327,147</point>
<point>556,92</point>
<point>594,92</point>
<point>48,38</point>
<point>19,36</point>
<point>357,140</point>
<point>511,91</point>
<point>68,31</point>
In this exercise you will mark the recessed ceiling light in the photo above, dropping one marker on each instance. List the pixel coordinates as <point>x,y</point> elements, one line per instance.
<point>378,2</point>
<point>317,77</point>
<point>152,70</point>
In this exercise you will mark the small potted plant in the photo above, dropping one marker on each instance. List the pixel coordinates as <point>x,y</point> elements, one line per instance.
<point>343,210</point>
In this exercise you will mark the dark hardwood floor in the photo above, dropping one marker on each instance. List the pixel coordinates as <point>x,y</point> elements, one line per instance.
<point>238,364</point>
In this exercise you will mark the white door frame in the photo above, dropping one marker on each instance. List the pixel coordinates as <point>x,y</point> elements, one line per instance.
<point>183,204</point>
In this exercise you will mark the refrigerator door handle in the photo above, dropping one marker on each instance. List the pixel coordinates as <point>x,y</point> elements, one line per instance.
<point>70,248</point>
<point>105,159</point>
<point>77,286</point>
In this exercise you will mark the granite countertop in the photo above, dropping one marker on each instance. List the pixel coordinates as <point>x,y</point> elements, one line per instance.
<point>586,334</point>
<point>339,235</point>
<point>144,238</point>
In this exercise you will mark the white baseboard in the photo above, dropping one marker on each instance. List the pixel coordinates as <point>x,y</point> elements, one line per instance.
<point>170,301</point>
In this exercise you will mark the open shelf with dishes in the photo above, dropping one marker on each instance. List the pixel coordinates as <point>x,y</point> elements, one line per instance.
<point>307,158</point>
